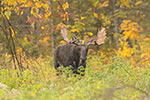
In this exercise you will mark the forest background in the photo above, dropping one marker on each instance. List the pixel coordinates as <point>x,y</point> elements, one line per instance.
<point>30,32</point>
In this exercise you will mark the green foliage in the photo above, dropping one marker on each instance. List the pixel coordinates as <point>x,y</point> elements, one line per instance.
<point>116,80</point>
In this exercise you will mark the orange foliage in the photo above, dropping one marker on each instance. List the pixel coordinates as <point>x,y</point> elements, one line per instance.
<point>19,51</point>
<point>95,15</point>
<point>131,29</point>
<point>105,4</point>
<point>139,58</point>
<point>125,3</point>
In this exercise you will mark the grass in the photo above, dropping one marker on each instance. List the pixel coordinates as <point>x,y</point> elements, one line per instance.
<point>116,80</point>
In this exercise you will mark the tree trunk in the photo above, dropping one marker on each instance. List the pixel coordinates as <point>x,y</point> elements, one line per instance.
<point>52,24</point>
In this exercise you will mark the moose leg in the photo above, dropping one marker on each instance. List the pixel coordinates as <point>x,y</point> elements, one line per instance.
<point>83,70</point>
<point>79,71</point>
<point>56,65</point>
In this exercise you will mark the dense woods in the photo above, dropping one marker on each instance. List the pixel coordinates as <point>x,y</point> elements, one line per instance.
<point>30,30</point>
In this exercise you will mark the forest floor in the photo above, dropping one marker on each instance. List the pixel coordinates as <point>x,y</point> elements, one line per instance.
<point>115,79</point>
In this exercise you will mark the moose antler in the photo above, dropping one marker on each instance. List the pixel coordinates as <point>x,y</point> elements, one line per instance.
<point>101,35</point>
<point>65,33</point>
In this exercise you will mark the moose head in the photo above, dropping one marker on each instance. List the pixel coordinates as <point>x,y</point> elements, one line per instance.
<point>74,53</point>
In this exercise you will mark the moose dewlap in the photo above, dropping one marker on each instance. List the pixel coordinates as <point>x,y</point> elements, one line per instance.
<point>74,53</point>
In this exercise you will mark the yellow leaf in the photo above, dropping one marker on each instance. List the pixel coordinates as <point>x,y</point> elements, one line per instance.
<point>38,4</point>
<point>67,19</point>
<point>75,22</point>
<point>48,56</point>
<point>33,94</point>
<point>74,30</point>
<point>21,13</point>
<point>63,42</point>
<point>89,9</point>
<point>42,27</point>
<point>83,42</point>
<point>102,16</point>
<point>82,18</point>
<point>65,6</point>
<point>40,41</point>
<point>46,16</point>
<point>137,3</point>
<point>46,38</point>
<point>95,15</point>
<point>83,24</point>
<point>25,38</point>
<point>95,3</point>
<point>31,10</point>
<point>64,19</point>
<point>37,10</point>
<point>45,6</point>
<point>34,14</point>
<point>19,51</point>
<point>127,4</point>
<point>13,33</point>
<point>105,4</point>
<point>98,87</point>
<point>38,86</point>
<point>144,55</point>
<point>147,39</point>
<point>32,24</point>
<point>109,22</point>
<point>29,62</point>
<point>90,33</point>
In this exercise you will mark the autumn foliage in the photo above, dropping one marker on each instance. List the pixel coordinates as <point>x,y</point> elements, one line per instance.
<point>30,30</point>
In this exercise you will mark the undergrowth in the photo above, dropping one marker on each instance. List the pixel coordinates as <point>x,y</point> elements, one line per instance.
<point>116,80</point>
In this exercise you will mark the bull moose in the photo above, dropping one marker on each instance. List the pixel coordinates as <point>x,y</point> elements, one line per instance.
<point>74,53</point>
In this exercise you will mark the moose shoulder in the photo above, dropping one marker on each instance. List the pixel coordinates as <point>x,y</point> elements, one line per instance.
<point>74,53</point>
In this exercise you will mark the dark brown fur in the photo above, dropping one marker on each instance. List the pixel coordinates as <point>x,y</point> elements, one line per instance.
<point>71,54</point>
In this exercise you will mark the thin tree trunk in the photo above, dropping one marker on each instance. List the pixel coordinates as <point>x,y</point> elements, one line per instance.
<point>52,24</point>
<point>129,42</point>
<point>116,23</point>
<point>136,42</point>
